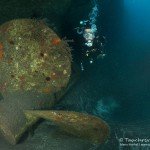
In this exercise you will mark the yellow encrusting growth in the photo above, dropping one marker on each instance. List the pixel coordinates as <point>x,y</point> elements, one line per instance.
<point>33,54</point>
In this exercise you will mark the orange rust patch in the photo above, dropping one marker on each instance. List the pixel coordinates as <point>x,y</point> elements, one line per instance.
<point>56,41</point>
<point>1,51</point>
<point>46,90</point>
<point>22,78</point>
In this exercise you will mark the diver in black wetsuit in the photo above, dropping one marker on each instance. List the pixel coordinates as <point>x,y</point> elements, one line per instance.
<point>93,47</point>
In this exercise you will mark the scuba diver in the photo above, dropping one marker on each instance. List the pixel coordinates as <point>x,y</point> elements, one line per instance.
<point>93,47</point>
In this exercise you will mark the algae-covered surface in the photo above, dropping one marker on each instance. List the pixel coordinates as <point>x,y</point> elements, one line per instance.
<point>35,71</point>
<point>33,57</point>
<point>35,65</point>
<point>115,89</point>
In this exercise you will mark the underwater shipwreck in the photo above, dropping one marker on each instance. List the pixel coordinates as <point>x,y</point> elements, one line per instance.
<point>36,70</point>
<point>74,75</point>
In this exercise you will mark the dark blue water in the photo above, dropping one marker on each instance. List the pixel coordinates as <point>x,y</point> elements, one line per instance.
<point>126,25</point>
<point>124,73</point>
